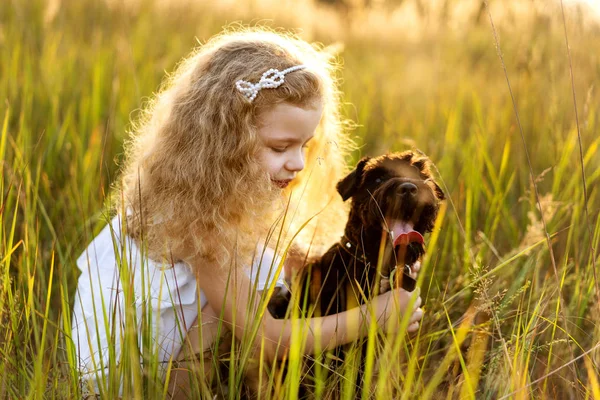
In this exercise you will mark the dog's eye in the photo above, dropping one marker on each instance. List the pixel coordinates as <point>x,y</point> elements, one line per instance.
<point>378,180</point>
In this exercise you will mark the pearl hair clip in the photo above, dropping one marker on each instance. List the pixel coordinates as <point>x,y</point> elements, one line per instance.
<point>271,79</point>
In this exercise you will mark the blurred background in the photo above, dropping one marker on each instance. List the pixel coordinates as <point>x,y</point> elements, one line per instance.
<point>415,74</point>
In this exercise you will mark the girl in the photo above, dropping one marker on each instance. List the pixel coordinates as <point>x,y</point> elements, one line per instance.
<point>236,156</point>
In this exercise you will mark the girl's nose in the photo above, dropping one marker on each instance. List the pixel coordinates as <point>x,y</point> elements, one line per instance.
<point>296,162</point>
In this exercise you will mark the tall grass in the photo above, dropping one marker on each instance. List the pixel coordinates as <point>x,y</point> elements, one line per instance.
<point>73,74</point>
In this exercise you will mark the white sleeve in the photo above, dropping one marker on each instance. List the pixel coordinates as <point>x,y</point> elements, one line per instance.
<point>266,268</point>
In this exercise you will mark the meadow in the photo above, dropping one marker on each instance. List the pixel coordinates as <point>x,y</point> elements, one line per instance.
<point>510,279</point>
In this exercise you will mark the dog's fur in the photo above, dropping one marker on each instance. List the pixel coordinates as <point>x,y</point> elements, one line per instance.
<point>394,191</point>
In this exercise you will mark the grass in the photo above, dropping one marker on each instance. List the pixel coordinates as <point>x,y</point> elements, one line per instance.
<point>500,320</point>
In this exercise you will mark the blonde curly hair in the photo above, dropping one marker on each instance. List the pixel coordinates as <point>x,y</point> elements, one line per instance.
<point>192,184</point>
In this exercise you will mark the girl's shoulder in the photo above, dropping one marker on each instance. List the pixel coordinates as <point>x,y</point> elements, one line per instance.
<point>103,245</point>
<point>113,246</point>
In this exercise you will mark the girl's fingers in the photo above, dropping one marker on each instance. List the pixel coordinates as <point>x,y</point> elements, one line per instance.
<point>414,270</point>
<point>416,316</point>
<point>417,303</point>
<point>413,327</point>
<point>404,298</point>
<point>416,266</point>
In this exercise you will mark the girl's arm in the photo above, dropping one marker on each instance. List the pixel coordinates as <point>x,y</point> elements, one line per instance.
<point>276,334</point>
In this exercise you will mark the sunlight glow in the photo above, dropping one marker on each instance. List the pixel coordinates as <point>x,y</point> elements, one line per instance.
<point>593,5</point>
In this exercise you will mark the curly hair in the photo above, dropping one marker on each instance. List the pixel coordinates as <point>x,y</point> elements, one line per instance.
<point>192,184</point>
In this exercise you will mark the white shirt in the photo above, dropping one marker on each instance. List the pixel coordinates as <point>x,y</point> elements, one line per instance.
<point>166,296</point>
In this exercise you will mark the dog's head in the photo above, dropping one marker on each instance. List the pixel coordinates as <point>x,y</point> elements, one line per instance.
<point>397,194</point>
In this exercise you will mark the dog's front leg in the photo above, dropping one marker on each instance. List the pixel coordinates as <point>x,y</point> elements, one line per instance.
<point>384,284</point>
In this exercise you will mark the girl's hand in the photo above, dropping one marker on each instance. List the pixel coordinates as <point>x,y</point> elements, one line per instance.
<point>392,305</point>
<point>384,283</point>
<point>414,270</point>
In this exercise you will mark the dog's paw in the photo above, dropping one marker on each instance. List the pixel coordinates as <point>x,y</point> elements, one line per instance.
<point>384,285</point>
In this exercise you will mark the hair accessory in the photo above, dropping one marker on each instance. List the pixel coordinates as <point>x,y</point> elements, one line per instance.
<point>271,79</point>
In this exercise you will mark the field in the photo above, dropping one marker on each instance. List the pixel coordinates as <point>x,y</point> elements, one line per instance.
<point>510,117</point>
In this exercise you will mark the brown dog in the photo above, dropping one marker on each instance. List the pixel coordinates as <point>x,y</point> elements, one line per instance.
<point>394,203</point>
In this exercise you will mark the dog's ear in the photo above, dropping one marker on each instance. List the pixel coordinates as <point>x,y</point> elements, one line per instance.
<point>347,186</point>
<point>439,193</point>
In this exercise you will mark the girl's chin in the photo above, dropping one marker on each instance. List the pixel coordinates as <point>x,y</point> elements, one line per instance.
<point>281,184</point>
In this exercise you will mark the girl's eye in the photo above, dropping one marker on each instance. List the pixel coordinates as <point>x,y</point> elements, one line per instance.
<point>278,149</point>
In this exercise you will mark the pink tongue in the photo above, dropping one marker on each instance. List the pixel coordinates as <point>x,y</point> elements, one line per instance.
<point>403,233</point>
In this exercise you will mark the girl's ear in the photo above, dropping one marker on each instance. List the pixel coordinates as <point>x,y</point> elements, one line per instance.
<point>347,186</point>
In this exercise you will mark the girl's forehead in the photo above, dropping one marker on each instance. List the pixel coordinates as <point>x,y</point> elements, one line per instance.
<point>285,109</point>
<point>288,121</point>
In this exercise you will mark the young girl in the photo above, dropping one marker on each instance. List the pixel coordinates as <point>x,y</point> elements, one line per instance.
<point>237,155</point>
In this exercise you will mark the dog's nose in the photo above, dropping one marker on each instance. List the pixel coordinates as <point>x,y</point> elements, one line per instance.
<point>408,189</point>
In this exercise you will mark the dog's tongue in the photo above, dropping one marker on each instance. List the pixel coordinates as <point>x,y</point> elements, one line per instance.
<point>403,233</point>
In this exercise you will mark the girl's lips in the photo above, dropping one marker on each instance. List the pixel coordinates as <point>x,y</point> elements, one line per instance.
<point>282,184</point>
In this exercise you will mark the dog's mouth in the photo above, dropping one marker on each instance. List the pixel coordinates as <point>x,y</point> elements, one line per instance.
<point>403,233</point>
<point>408,243</point>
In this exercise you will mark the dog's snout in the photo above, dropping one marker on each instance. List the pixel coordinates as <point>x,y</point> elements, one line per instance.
<point>408,189</point>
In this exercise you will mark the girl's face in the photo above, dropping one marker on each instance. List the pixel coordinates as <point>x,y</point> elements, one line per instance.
<point>284,133</point>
